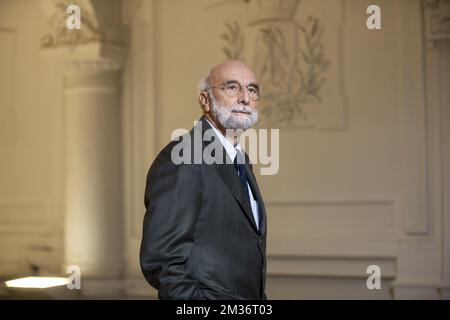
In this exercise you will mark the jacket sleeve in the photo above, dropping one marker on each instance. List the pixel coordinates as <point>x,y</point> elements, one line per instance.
<point>173,198</point>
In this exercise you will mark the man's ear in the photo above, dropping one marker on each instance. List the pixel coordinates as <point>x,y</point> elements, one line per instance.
<point>204,101</point>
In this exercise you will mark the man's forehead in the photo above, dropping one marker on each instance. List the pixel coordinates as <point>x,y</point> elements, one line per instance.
<point>234,72</point>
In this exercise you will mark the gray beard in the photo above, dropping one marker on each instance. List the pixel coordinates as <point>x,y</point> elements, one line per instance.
<point>228,120</point>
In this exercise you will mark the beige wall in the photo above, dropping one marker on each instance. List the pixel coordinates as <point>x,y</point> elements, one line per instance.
<point>363,180</point>
<point>31,144</point>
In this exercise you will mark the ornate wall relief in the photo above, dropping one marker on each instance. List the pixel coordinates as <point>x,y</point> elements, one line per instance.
<point>294,47</point>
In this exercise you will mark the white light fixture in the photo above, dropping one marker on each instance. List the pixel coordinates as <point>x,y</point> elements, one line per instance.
<point>37,282</point>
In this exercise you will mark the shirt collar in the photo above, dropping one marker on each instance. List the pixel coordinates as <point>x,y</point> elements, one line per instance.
<point>229,147</point>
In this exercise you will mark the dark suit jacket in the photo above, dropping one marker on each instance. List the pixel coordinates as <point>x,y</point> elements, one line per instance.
<point>199,236</point>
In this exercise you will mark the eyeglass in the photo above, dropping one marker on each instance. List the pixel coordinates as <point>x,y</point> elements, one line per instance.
<point>234,88</point>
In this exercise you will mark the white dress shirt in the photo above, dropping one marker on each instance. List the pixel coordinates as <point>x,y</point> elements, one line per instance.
<point>232,151</point>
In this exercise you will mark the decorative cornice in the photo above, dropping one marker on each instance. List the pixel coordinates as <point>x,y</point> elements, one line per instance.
<point>90,65</point>
<point>87,57</point>
<point>59,35</point>
<point>97,46</point>
<point>96,26</point>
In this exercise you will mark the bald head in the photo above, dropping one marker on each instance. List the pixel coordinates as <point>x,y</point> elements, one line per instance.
<point>231,69</point>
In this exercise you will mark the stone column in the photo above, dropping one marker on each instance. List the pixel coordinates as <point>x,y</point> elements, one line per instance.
<point>90,60</point>
<point>93,207</point>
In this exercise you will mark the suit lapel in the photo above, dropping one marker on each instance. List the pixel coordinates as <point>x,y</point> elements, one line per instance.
<point>227,172</point>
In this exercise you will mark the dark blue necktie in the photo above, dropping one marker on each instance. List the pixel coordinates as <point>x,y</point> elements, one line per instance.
<point>238,163</point>
<point>240,167</point>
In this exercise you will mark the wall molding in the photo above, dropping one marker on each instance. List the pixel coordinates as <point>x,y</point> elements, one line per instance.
<point>437,35</point>
<point>7,117</point>
<point>330,227</point>
<point>414,189</point>
<point>415,291</point>
<point>331,266</point>
<point>23,217</point>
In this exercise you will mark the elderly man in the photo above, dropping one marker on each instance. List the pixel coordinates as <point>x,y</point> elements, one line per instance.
<point>204,231</point>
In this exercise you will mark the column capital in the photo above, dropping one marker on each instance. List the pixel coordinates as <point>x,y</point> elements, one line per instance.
<point>100,44</point>
<point>90,57</point>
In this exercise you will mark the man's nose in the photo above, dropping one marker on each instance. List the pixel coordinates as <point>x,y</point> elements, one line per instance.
<point>244,97</point>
